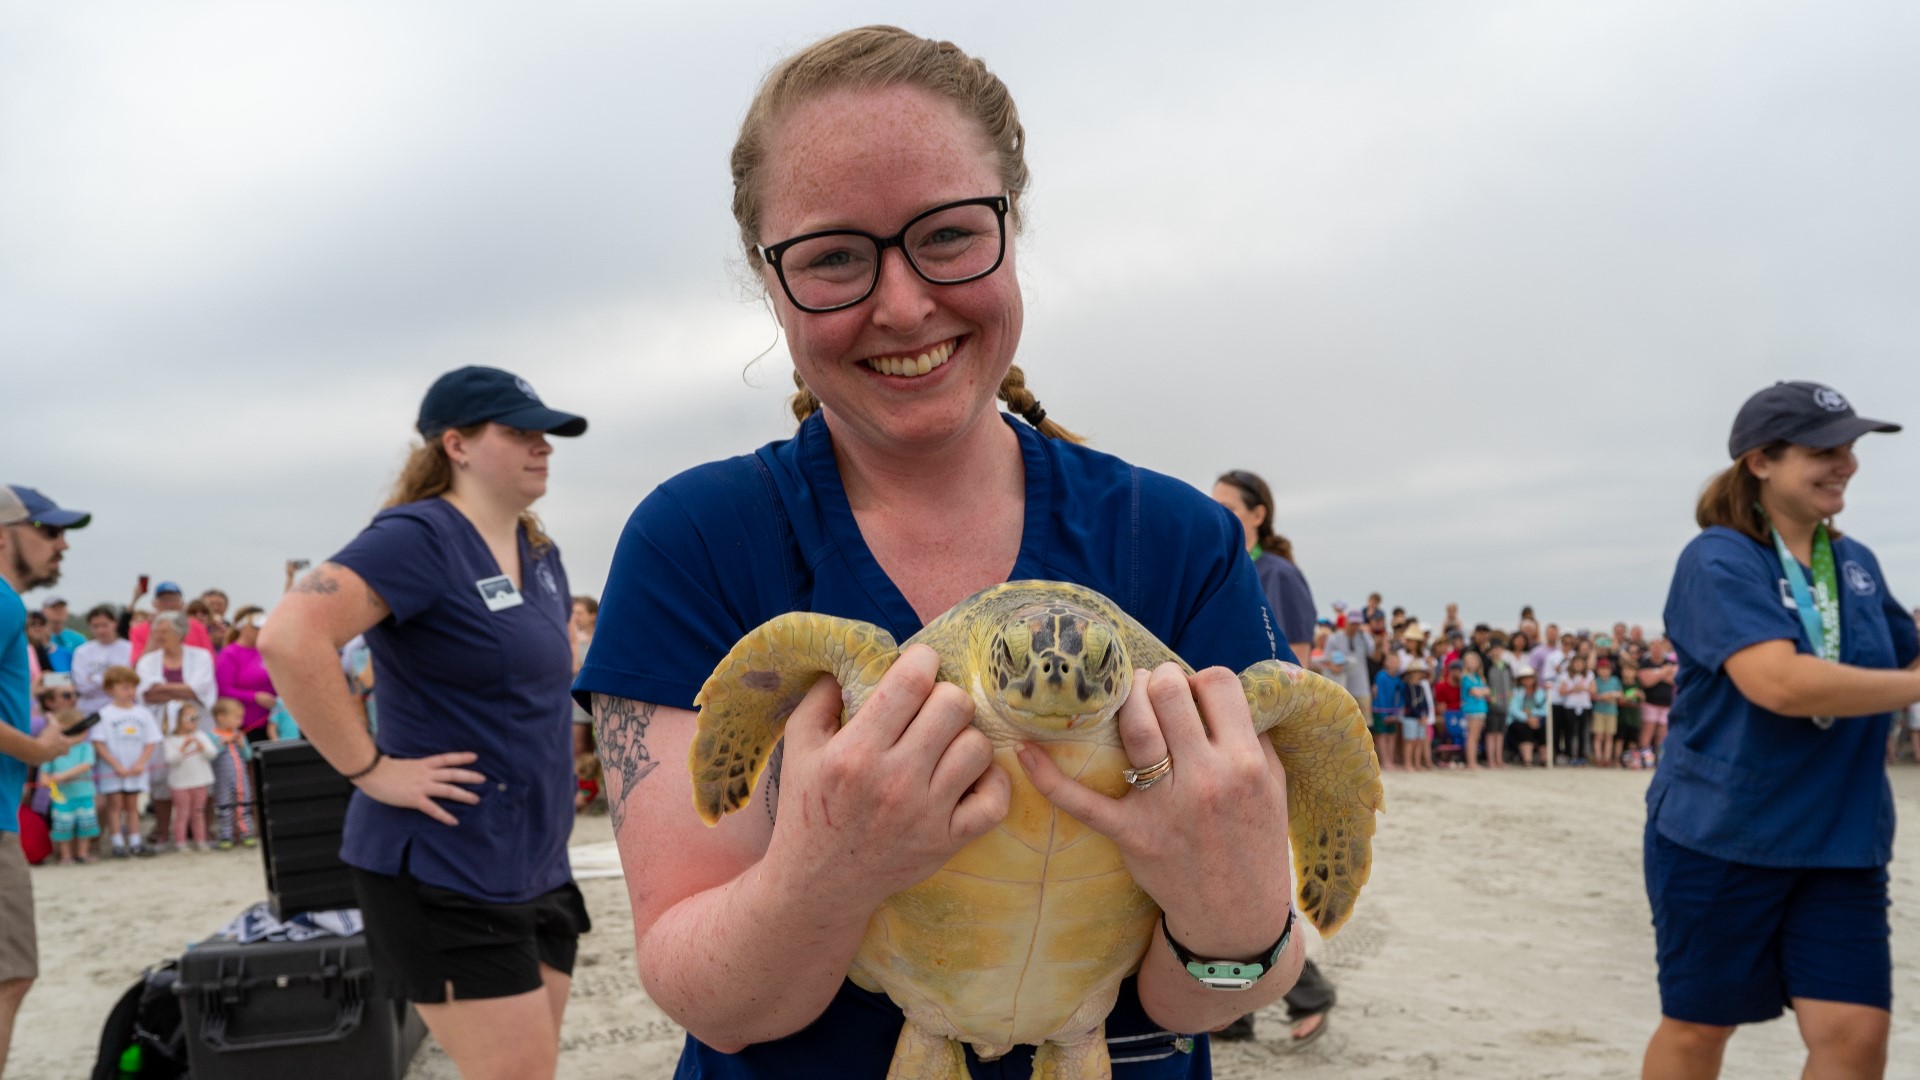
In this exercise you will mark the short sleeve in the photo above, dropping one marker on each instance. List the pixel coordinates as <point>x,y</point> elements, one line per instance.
<point>699,564</point>
<point>1901,627</point>
<point>1725,599</point>
<point>1230,624</point>
<point>399,558</point>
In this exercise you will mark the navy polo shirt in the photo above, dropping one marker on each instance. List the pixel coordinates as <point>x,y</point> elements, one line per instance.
<point>1747,785</point>
<point>455,675</point>
<point>720,549</point>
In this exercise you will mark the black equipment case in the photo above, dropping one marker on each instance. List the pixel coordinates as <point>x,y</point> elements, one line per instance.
<point>295,1010</point>
<point>302,805</point>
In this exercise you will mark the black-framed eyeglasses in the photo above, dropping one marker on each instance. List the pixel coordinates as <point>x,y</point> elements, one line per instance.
<point>951,244</point>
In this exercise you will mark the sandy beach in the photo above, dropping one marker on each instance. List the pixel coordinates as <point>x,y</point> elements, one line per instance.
<point>1505,935</point>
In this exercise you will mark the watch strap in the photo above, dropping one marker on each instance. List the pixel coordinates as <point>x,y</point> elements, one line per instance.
<point>1230,974</point>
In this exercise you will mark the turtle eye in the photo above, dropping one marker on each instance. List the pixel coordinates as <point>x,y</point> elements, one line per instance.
<point>1017,644</point>
<point>1099,647</point>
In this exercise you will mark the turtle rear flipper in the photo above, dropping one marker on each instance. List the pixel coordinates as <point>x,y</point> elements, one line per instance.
<point>1333,783</point>
<point>746,701</point>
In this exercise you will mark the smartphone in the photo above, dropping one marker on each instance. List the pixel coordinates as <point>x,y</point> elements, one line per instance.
<point>299,564</point>
<point>143,584</point>
<point>81,724</point>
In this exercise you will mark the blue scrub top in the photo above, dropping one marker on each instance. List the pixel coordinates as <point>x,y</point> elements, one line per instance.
<point>16,700</point>
<point>718,550</point>
<point>1743,784</point>
<point>455,675</point>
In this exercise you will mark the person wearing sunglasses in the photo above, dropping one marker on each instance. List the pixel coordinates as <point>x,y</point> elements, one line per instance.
<point>1770,819</point>
<point>878,180</point>
<point>33,541</point>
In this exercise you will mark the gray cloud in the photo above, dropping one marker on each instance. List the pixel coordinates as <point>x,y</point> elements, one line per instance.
<point>1477,285</point>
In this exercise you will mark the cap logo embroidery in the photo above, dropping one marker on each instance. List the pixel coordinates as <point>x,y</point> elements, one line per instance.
<point>527,388</point>
<point>1858,579</point>
<point>1829,399</point>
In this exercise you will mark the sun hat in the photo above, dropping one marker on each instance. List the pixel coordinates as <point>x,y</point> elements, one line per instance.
<point>1802,413</point>
<point>1524,671</point>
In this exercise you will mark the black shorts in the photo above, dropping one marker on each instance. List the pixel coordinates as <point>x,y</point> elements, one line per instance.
<point>425,937</point>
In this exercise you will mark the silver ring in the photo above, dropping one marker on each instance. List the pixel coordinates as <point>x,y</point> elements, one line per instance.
<point>1142,779</point>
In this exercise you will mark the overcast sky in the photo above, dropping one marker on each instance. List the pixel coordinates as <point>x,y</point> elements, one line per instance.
<point>1477,285</point>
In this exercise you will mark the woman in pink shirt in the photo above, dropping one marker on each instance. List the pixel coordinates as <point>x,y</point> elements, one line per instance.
<point>242,675</point>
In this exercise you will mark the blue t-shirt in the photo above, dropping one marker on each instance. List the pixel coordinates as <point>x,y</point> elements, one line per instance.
<point>1746,785</point>
<point>1469,703</point>
<point>717,550</point>
<point>1386,693</point>
<point>1287,593</point>
<point>16,700</point>
<point>80,786</point>
<point>455,675</point>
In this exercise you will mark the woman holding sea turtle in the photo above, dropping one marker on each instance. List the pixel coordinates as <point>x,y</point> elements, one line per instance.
<point>904,491</point>
<point>1770,820</point>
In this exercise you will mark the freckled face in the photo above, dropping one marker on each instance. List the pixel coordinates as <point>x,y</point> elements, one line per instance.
<point>873,160</point>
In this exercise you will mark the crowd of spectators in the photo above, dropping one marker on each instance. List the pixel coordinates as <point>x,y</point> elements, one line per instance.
<point>1486,697</point>
<point>171,748</point>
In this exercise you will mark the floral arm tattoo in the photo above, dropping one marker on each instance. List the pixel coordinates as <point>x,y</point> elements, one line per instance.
<point>620,728</point>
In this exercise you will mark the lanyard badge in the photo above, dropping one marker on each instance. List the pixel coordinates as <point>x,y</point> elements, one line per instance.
<point>1819,607</point>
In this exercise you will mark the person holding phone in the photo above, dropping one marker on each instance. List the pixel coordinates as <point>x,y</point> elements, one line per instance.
<point>457,833</point>
<point>33,530</point>
<point>1770,820</point>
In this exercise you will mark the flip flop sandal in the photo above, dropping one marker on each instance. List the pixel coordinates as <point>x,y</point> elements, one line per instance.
<point>1299,1042</point>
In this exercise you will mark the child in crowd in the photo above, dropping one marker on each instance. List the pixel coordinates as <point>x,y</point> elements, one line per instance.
<point>586,771</point>
<point>69,783</point>
<point>1474,697</point>
<point>190,754</point>
<point>232,785</point>
<point>1607,690</point>
<point>1527,715</point>
<point>1629,741</point>
<point>1417,714</point>
<point>1576,700</point>
<point>1386,711</point>
<point>1446,700</point>
<point>125,741</point>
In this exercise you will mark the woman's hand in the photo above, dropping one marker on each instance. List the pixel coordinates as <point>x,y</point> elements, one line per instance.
<point>414,783</point>
<point>880,804</point>
<point>1208,841</point>
<point>264,699</point>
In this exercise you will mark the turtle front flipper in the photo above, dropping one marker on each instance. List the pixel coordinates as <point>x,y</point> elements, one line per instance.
<point>746,701</point>
<point>1333,783</point>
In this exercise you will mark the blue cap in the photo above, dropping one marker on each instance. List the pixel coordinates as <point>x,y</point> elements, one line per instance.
<point>165,587</point>
<point>1802,413</point>
<point>473,395</point>
<point>23,504</point>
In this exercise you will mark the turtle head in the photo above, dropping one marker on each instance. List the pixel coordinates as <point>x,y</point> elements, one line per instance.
<point>1057,668</point>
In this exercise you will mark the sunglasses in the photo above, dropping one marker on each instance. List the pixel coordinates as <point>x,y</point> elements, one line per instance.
<point>52,532</point>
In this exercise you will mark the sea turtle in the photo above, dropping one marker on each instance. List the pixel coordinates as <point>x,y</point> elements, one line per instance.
<point>1025,935</point>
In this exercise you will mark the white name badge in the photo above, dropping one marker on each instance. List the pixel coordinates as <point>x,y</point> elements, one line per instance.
<point>498,593</point>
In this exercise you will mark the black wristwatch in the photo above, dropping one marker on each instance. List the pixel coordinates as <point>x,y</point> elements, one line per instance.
<point>1230,974</point>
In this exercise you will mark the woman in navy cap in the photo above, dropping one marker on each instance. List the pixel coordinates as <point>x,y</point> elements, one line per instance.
<point>458,832</point>
<point>1770,822</point>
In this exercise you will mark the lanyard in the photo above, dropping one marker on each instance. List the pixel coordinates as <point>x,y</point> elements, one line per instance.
<point>1819,607</point>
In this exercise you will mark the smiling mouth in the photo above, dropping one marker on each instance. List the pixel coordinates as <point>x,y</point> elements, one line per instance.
<point>915,365</point>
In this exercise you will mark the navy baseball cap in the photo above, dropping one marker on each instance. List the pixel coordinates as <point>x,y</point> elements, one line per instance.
<point>23,504</point>
<point>166,587</point>
<point>1801,413</point>
<point>473,395</point>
